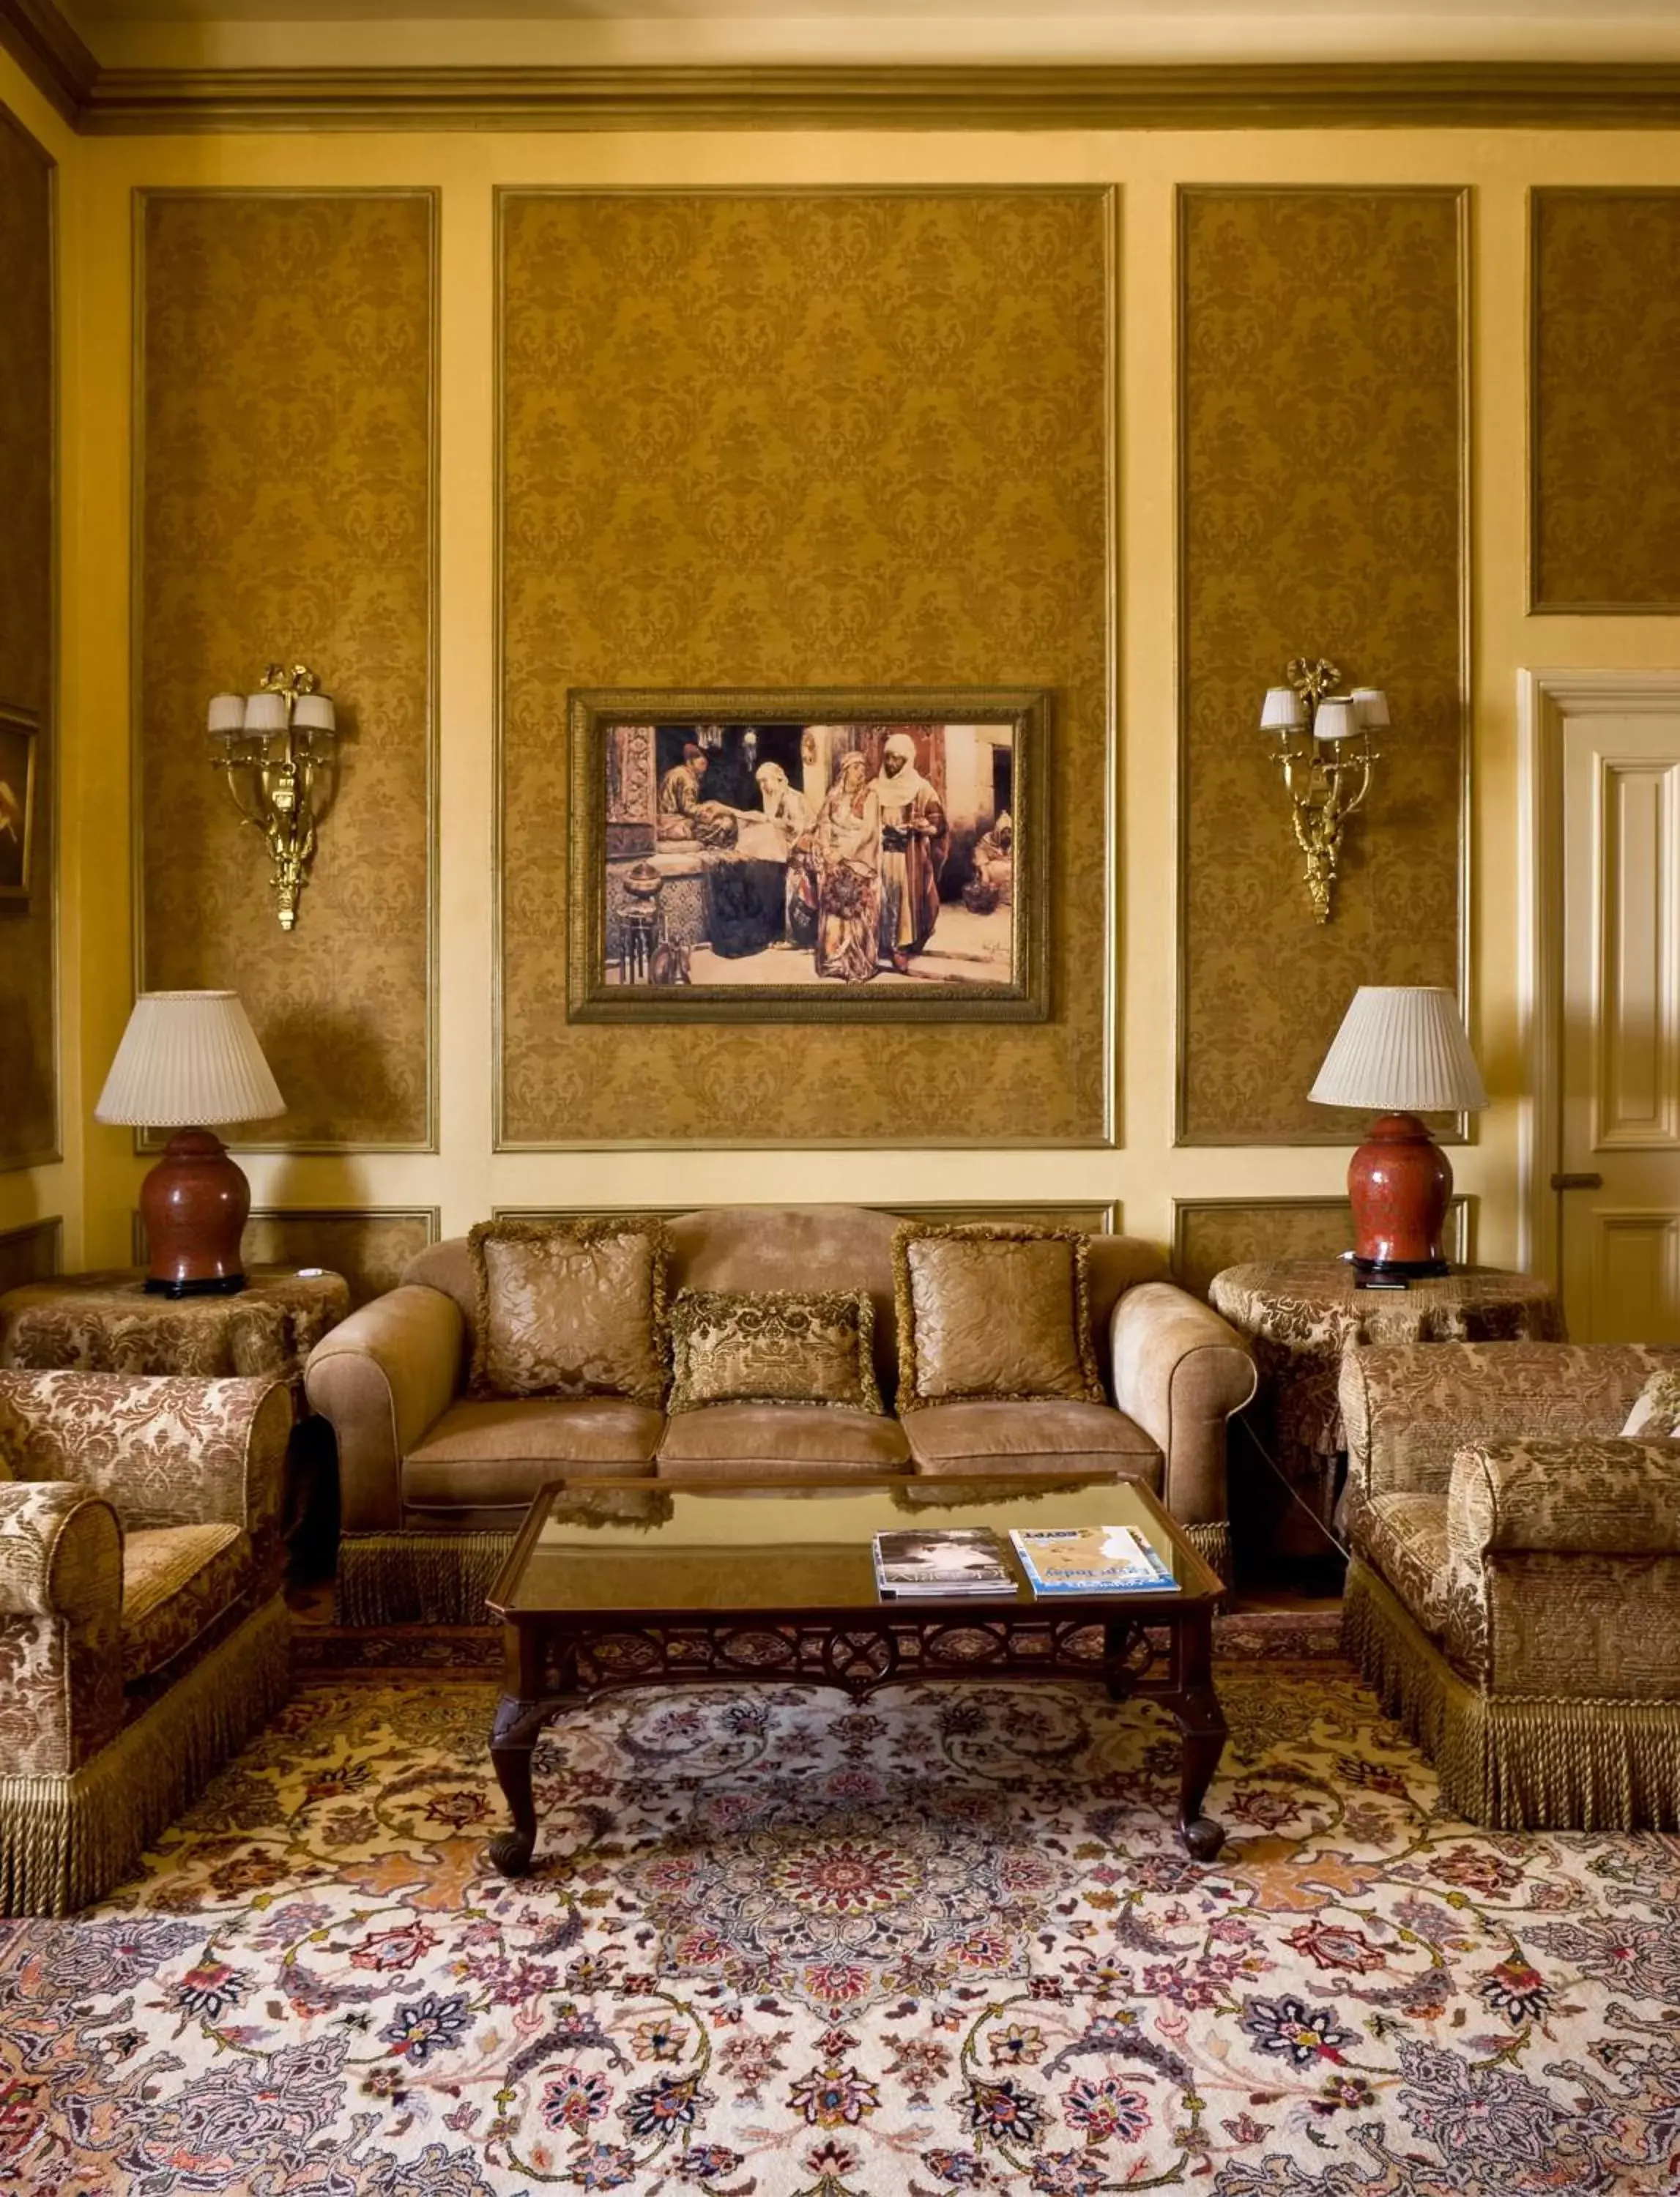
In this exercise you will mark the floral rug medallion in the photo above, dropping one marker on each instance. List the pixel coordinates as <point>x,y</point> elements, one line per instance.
<point>778,1946</point>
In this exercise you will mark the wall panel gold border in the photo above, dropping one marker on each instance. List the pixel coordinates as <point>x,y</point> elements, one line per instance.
<point>1211,1233</point>
<point>30,948</point>
<point>359,883</point>
<point>557,1088</point>
<point>1368,563</point>
<point>1603,397</point>
<point>33,1253</point>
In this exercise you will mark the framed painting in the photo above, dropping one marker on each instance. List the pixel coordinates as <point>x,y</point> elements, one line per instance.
<point>808,855</point>
<point>18,736</point>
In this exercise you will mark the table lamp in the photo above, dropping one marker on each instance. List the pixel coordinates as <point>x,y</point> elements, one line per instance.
<point>188,1058</point>
<point>1402,1049</point>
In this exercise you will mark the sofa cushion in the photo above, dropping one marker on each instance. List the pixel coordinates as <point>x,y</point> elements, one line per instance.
<point>491,1455</point>
<point>176,1580</point>
<point>1057,1436</point>
<point>993,1310</point>
<point>773,1346</point>
<point>779,1442</point>
<point>571,1308</point>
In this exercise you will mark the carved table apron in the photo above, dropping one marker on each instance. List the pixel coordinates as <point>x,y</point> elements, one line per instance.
<point>562,1660</point>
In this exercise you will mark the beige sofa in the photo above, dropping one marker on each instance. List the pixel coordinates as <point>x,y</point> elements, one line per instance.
<point>432,1485</point>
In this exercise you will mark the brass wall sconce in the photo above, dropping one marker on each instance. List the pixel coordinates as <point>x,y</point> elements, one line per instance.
<point>279,749</point>
<point>1326,755</point>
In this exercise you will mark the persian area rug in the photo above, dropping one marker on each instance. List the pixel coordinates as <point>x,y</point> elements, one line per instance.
<point>944,1942</point>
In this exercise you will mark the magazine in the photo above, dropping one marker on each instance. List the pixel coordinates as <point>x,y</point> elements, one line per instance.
<point>1092,1560</point>
<point>960,1562</point>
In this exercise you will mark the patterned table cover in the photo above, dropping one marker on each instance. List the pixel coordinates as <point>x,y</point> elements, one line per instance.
<point>104,1322</point>
<point>1300,1314</point>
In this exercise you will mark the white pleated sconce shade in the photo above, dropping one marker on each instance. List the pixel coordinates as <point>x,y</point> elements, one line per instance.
<point>227,715</point>
<point>1370,707</point>
<point>265,713</point>
<point>189,1059</point>
<point>314,713</point>
<point>1335,720</point>
<point>1401,1049</point>
<point>1282,711</point>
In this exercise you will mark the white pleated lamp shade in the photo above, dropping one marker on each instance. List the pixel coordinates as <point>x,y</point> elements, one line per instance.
<point>189,1059</point>
<point>314,713</point>
<point>1401,1049</point>
<point>1370,706</point>
<point>1283,711</point>
<point>1334,721</point>
<point>265,713</point>
<point>227,715</point>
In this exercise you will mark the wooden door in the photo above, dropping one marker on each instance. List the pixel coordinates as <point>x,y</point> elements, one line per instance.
<point>1619,1177</point>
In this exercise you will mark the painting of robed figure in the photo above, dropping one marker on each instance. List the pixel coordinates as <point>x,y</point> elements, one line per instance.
<point>808,855</point>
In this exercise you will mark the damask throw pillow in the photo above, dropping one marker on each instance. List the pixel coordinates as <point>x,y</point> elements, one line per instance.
<point>572,1309</point>
<point>774,1346</point>
<point>993,1310</point>
<point>1656,1409</point>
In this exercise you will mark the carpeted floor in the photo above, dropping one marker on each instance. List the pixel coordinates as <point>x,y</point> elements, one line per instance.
<point>946,1942</point>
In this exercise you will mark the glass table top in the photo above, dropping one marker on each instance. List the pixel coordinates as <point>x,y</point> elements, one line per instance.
<point>650,1546</point>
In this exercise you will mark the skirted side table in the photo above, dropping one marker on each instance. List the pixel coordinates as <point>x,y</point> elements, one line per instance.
<point>105,1323</point>
<point>1300,1314</point>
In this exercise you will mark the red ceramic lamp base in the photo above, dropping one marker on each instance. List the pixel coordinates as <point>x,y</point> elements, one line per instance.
<point>1399,1182</point>
<point>194,1203</point>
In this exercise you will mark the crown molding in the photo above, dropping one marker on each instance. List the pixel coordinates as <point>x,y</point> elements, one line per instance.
<point>876,96</point>
<point>46,49</point>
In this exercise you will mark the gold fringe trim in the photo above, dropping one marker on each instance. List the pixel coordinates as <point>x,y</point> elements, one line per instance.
<point>417,1578</point>
<point>65,1841</point>
<point>1518,1762</point>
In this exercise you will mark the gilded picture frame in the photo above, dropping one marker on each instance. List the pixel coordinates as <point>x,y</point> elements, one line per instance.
<point>20,740</point>
<point>807,855</point>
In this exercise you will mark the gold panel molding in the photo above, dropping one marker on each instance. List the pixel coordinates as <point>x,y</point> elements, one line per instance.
<point>29,1094</point>
<point>285,507</point>
<point>369,1245</point>
<point>785,438</point>
<point>1162,95</point>
<point>1211,1233</point>
<point>34,1253</point>
<point>1323,388</point>
<point>1604,401</point>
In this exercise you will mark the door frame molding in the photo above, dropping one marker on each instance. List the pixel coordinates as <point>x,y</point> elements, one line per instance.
<point>1546,700</point>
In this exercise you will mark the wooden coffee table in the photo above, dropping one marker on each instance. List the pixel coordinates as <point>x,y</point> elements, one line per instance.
<point>617,1583</point>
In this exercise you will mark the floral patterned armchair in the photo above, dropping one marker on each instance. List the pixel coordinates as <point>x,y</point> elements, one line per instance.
<point>1514,1596</point>
<point>142,1633</point>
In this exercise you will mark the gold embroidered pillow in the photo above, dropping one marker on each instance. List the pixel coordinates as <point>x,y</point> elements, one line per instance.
<point>993,1310</point>
<point>1656,1409</point>
<point>572,1309</point>
<point>774,1346</point>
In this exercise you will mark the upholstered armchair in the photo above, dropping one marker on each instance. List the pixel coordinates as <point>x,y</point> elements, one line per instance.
<point>142,1633</point>
<point>1514,1596</point>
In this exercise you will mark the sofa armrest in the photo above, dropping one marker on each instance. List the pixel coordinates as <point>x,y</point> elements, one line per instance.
<point>1614,1497</point>
<point>1180,1371</point>
<point>60,1627</point>
<point>382,1378</point>
<point>1409,1408</point>
<point>165,1449</point>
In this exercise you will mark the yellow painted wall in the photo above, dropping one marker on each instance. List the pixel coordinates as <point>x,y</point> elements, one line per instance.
<point>466,1177</point>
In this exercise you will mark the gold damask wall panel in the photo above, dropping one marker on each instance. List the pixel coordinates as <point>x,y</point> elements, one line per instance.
<point>1211,1233</point>
<point>33,1253</point>
<point>28,561</point>
<point>285,485</point>
<point>1322,511</point>
<point>794,440</point>
<point>1604,421</point>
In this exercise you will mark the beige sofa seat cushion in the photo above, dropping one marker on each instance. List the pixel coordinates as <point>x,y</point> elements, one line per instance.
<point>780,1441</point>
<point>489,1456</point>
<point>1049,1436</point>
<point>177,1580</point>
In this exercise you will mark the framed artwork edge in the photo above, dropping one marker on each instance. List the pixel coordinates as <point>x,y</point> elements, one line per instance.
<point>591,712</point>
<point>27,726</point>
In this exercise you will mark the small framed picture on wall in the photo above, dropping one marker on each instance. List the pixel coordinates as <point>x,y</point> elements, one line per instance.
<point>18,734</point>
<point>802,855</point>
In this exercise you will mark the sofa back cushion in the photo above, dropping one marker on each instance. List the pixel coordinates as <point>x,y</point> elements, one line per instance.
<point>803,1247</point>
<point>572,1309</point>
